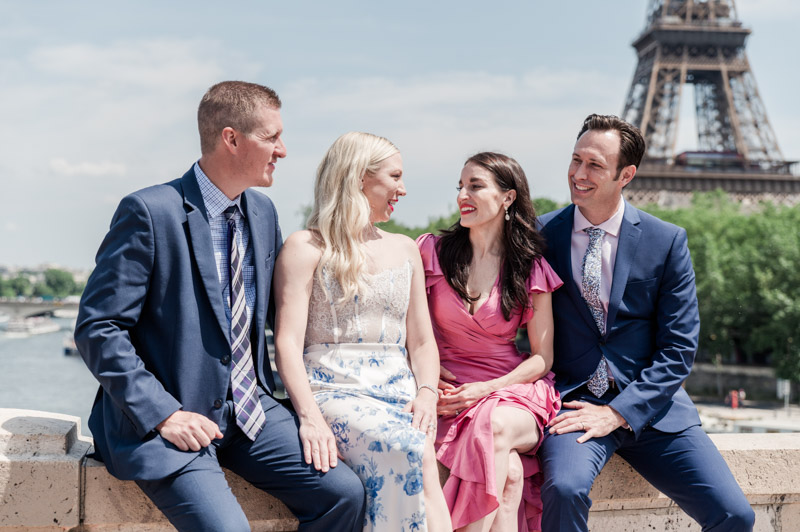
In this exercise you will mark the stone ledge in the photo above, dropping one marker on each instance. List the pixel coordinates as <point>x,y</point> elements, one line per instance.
<point>113,505</point>
<point>63,490</point>
<point>40,457</point>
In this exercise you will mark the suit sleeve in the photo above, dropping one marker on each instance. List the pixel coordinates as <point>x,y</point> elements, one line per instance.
<point>110,307</point>
<point>677,326</point>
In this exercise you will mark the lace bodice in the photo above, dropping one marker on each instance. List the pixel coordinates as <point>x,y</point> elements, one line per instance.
<point>379,316</point>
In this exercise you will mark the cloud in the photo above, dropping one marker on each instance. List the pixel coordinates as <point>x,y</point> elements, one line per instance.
<point>164,64</point>
<point>10,227</point>
<point>443,92</point>
<point>91,169</point>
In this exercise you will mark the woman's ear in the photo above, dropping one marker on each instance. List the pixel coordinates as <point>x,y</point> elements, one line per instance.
<point>511,197</point>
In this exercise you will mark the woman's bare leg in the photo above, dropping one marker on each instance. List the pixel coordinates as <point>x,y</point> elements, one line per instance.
<point>436,512</point>
<point>514,430</point>
<point>508,512</point>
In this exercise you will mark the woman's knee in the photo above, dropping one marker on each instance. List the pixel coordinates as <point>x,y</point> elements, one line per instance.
<point>516,474</point>
<point>513,428</point>
<point>500,432</point>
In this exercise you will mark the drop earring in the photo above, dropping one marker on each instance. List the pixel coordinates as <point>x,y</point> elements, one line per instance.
<point>508,216</point>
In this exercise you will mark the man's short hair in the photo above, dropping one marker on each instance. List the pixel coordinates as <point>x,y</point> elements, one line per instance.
<point>631,145</point>
<point>231,104</point>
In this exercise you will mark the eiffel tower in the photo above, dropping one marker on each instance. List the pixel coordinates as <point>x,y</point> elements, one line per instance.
<point>702,43</point>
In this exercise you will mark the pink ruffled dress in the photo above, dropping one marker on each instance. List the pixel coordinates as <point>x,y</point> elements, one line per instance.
<point>477,348</point>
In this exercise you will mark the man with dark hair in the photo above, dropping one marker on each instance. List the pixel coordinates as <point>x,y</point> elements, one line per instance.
<point>172,323</point>
<point>626,328</point>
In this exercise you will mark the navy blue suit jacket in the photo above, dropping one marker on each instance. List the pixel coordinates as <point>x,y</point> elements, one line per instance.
<point>652,324</point>
<point>152,325</point>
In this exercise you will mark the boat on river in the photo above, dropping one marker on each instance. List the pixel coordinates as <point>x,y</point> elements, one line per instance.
<point>24,327</point>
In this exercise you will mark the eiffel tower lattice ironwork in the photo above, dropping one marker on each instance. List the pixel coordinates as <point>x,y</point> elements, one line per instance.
<point>702,43</point>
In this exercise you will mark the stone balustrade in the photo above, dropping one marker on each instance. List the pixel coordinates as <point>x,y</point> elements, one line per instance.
<point>48,484</point>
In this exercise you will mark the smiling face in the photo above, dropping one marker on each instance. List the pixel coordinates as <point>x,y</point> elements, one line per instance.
<point>383,188</point>
<point>595,184</point>
<point>480,200</point>
<point>260,149</point>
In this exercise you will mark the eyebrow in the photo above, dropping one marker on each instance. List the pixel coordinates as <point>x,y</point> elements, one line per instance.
<point>590,158</point>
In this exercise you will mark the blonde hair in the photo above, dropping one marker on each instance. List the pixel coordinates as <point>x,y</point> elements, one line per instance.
<point>341,211</point>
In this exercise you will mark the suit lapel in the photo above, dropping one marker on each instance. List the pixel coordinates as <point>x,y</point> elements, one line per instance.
<point>202,247</point>
<point>629,236</point>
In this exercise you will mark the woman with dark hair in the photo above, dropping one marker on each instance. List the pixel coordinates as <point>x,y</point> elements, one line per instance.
<point>485,278</point>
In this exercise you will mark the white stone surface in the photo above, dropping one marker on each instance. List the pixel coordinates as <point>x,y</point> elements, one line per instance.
<point>40,455</point>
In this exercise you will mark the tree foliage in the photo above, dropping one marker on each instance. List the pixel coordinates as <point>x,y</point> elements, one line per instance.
<point>55,283</point>
<point>748,281</point>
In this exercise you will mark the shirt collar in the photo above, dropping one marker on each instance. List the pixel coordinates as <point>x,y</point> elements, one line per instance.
<point>610,226</point>
<point>214,199</point>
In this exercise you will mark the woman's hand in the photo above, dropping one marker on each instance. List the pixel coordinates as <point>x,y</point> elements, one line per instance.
<point>446,375</point>
<point>424,409</point>
<point>319,445</point>
<point>455,400</point>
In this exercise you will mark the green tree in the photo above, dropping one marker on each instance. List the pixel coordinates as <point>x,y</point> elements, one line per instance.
<point>748,283</point>
<point>21,286</point>
<point>6,290</point>
<point>59,283</point>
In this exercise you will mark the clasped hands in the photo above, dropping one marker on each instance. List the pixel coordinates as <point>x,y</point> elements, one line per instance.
<point>595,421</point>
<point>453,400</point>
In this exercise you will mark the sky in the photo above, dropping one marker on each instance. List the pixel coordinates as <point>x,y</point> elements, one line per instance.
<point>99,99</point>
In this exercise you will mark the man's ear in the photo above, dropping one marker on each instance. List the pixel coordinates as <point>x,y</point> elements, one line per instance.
<point>230,138</point>
<point>627,174</point>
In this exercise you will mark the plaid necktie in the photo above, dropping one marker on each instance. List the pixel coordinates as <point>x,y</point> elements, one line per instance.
<point>592,270</point>
<point>249,414</point>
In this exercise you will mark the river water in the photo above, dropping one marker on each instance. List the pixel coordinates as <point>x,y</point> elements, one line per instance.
<point>35,375</point>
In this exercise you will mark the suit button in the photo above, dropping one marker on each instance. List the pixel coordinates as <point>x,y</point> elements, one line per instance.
<point>225,360</point>
<point>218,403</point>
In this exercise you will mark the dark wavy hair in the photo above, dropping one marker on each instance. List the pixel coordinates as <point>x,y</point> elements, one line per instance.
<point>522,243</point>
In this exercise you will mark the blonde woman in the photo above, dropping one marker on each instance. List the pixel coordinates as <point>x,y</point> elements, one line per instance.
<point>352,314</point>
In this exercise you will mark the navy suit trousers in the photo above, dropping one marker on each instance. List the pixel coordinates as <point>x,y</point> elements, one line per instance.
<point>685,466</point>
<point>198,498</point>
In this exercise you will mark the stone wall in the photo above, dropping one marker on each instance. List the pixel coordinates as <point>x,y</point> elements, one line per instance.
<point>708,380</point>
<point>48,484</point>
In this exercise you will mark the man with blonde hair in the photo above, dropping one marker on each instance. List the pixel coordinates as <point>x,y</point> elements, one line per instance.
<point>172,324</point>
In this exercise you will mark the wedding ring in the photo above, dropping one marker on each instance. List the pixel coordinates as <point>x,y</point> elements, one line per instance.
<point>583,427</point>
<point>431,426</point>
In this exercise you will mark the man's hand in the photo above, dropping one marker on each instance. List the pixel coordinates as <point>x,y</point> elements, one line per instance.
<point>188,430</point>
<point>595,420</point>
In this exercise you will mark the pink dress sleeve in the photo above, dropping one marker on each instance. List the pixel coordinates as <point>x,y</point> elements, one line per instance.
<point>430,261</point>
<point>542,279</point>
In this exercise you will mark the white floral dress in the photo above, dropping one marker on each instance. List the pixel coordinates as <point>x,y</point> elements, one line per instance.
<point>356,362</point>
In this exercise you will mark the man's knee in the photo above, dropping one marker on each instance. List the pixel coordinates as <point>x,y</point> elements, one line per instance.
<point>738,518</point>
<point>344,487</point>
<point>561,487</point>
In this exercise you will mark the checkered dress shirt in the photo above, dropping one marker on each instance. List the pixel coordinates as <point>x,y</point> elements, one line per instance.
<point>216,202</point>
